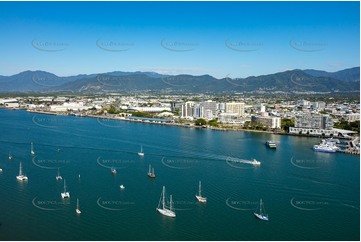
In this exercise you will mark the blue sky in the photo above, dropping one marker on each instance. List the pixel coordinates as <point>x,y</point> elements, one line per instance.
<point>235,39</point>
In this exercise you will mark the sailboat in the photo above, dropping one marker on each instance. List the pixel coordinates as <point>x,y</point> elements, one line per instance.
<point>141,151</point>
<point>77,210</point>
<point>10,156</point>
<point>58,177</point>
<point>113,170</point>
<point>151,172</point>
<point>65,194</point>
<point>32,149</point>
<point>261,213</point>
<point>21,177</point>
<point>162,206</point>
<point>199,195</point>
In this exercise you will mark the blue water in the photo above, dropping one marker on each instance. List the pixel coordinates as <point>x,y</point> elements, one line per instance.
<point>307,195</point>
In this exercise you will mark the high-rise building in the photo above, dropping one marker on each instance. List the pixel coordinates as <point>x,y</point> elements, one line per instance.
<point>271,122</point>
<point>187,109</point>
<point>314,121</point>
<point>235,108</point>
<point>210,105</point>
<point>198,111</point>
<point>221,107</point>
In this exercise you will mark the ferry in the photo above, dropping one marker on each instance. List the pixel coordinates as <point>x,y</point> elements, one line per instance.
<point>326,146</point>
<point>271,144</point>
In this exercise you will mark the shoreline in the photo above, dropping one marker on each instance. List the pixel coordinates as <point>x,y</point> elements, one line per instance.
<point>157,123</point>
<point>174,124</point>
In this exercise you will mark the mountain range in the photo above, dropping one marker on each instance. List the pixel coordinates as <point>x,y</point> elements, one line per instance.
<point>292,81</point>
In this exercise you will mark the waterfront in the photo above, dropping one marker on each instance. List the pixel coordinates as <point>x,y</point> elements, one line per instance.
<point>308,195</point>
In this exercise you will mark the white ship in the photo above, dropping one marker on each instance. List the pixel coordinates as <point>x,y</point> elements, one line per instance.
<point>32,149</point>
<point>77,210</point>
<point>58,177</point>
<point>271,144</point>
<point>260,214</point>
<point>199,196</point>
<point>65,194</point>
<point>162,206</point>
<point>326,146</point>
<point>140,153</point>
<point>21,177</point>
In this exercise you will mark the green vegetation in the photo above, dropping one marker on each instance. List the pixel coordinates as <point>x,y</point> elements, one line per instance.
<point>353,126</point>
<point>213,123</point>
<point>142,114</point>
<point>200,122</point>
<point>112,110</point>
<point>254,125</point>
<point>286,123</point>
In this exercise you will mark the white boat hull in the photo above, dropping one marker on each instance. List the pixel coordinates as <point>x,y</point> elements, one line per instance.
<point>201,199</point>
<point>77,211</point>
<point>166,212</point>
<point>261,217</point>
<point>65,195</point>
<point>22,178</point>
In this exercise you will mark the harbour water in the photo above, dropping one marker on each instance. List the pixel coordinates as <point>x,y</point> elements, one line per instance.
<point>308,195</point>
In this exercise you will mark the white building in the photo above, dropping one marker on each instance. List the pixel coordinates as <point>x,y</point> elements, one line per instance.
<point>229,118</point>
<point>198,111</point>
<point>186,110</point>
<point>321,132</point>
<point>350,117</point>
<point>71,106</point>
<point>313,121</point>
<point>210,105</point>
<point>221,107</point>
<point>271,122</point>
<point>262,108</point>
<point>12,105</point>
<point>235,108</point>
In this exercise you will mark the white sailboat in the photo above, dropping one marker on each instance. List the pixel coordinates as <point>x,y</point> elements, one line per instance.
<point>261,213</point>
<point>32,149</point>
<point>162,206</point>
<point>151,172</point>
<point>141,151</point>
<point>58,177</point>
<point>10,156</point>
<point>21,177</point>
<point>122,186</point>
<point>199,195</point>
<point>65,194</point>
<point>77,210</point>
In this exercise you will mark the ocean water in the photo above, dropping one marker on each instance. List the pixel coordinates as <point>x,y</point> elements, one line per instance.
<point>307,195</point>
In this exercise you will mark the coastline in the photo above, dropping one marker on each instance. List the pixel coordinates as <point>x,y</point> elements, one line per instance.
<point>158,123</point>
<point>113,117</point>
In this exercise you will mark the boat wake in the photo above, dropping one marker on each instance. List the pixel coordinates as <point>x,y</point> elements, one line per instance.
<point>234,162</point>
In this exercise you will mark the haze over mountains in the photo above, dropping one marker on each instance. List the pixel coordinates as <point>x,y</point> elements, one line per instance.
<point>293,81</point>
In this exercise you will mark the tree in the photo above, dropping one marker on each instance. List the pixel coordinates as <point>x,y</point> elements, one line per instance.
<point>200,122</point>
<point>353,126</point>
<point>213,122</point>
<point>112,110</point>
<point>286,123</point>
